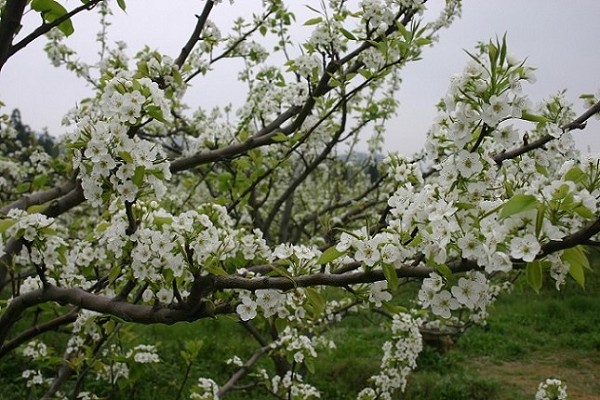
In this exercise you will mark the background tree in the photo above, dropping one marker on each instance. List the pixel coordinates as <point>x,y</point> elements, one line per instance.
<point>157,215</point>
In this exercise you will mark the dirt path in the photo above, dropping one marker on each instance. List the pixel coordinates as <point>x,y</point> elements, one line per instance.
<point>581,373</point>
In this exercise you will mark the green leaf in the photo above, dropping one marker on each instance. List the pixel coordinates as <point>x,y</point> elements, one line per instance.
<point>365,73</point>
<point>330,255</point>
<point>126,157</point>
<point>444,270</point>
<point>102,227</point>
<point>584,212</point>
<point>533,118</point>
<point>534,275</point>
<point>122,4</point>
<point>577,261</point>
<point>114,273</point>
<point>575,174</point>
<point>313,21</point>
<point>215,269</point>
<point>310,365</point>
<point>403,31</point>
<point>393,309</point>
<point>51,11</point>
<point>22,187</point>
<point>5,224</point>
<point>138,176</point>
<point>518,203</point>
<point>347,34</point>
<point>280,137</point>
<point>156,113</point>
<point>39,181</point>
<point>464,206</point>
<point>36,209</point>
<point>316,300</point>
<point>422,41</point>
<point>160,221</point>
<point>283,272</point>
<point>539,219</point>
<point>391,276</point>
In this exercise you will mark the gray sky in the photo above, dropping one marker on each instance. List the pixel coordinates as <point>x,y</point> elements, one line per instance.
<point>559,37</point>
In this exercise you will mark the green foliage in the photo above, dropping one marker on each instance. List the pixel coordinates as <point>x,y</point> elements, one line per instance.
<point>51,11</point>
<point>518,203</point>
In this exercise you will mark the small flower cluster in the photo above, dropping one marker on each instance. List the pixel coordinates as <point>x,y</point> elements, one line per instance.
<point>307,66</point>
<point>113,371</point>
<point>379,294</point>
<point>143,354</point>
<point>35,350</point>
<point>326,37</point>
<point>272,302</point>
<point>299,347</point>
<point>34,377</point>
<point>31,227</point>
<point>399,359</point>
<point>377,15</point>
<point>471,293</point>
<point>372,250</point>
<point>205,389</point>
<point>84,327</point>
<point>292,387</point>
<point>551,389</point>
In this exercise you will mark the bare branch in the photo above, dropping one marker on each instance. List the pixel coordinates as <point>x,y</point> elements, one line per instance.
<point>243,371</point>
<point>195,37</point>
<point>37,330</point>
<point>39,197</point>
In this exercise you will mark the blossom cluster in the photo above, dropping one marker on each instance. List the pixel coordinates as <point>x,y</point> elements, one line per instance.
<point>35,350</point>
<point>205,389</point>
<point>106,153</point>
<point>143,354</point>
<point>551,389</point>
<point>293,386</point>
<point>399,359</point>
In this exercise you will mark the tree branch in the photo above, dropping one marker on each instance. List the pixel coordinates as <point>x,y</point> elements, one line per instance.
<point>36,330</point>
<point>578,123</point>
<point>40,197</point>
<point>195,37</point>
<point>243,371</point>
<point>78,297</point>
<point>10,23</point>
<point>580,237</point>
<point>46,27</point>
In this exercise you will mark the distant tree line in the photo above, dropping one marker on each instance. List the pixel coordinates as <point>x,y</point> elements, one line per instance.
<point>26,138</point>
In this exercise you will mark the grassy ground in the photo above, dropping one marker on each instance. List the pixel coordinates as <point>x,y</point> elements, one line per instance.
<point>529,337</point>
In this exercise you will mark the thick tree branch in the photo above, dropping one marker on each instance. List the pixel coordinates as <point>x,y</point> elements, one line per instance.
<point>38,198</point>
<point>331,279</point>
<point>80,298</point>
<point>10,23</point>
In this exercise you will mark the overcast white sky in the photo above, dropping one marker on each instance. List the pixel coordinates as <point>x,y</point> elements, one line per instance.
<point>559,37</point>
